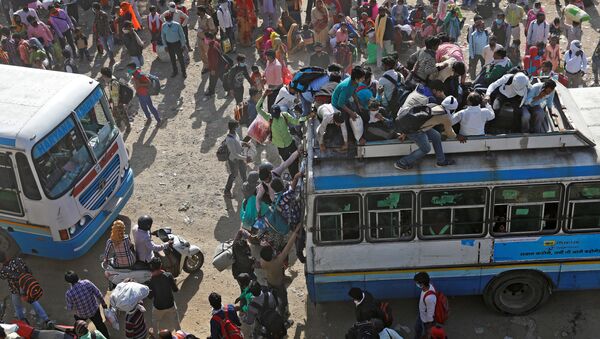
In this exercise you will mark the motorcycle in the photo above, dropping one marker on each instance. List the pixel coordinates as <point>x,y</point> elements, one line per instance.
<point>27,331</point>
<point>179,256</point>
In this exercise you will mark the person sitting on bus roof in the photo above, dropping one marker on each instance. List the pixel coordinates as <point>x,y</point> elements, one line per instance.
<point>494,70</point>
<point>379,127</point>
<point>366,305</point>
<point>511,89</point>
<point>332,120</point>
<point>343,92</point>
<point>539,96</point>
<point>266,173</point>
<point>473,118</point>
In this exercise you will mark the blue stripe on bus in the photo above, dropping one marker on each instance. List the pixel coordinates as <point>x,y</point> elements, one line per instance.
<point>355,181</point>
<point>472,281</point>
<point>8,142</point>
<point>88,103</point>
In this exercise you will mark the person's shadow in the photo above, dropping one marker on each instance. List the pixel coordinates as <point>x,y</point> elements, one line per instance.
<point>143,153</point>
<point>228,225</point>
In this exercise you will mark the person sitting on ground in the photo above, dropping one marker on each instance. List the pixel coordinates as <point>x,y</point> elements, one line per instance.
<point>473,118</point>
<point>331,118</point>
<point>221,313</point>
<point>120,246</point>
<point>539,97</point>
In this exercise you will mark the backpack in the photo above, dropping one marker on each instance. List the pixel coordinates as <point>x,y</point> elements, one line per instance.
<point>394,103</point>
<point>386,313</point>
<point>229,330</point>
<point>442,309</point>
<point>270,319</point>
<point>30,288</point>
<point>223,150</point>
<point>154,84</point>
<point>240,112</point>
<point>412,121</point>
<point>305,76</point>
<point>363,330</point>
<point>125,93</point>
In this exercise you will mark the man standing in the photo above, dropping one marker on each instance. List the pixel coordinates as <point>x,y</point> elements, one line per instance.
<point>575,64</point>
<point>514,17</point>
<point>63,27</point>
<point>237,161</point>
<point>216,65</point>
<point>83,298</point>
<point>427,301</point>
<point>118,107</point>
<point>162,286</point>
<point>141,83</point>
<point>226,21</point>
<point>102,31</point>
<point>179,17</point>
<point>538,31</point>
<point>11,271</point>
<point>174,39</point>
<point>205,24</point>
<point>237,74</point>
<point>477,41</point>
<point>501,30</point>
<point>539,97</point>
<point>273,77</point>
<point>133,44</point>
<point>220,313</point>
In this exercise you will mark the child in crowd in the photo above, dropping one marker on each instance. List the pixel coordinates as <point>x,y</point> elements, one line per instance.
<point>81,41</point>
<point>154,26</point>
<point>513,52</point>
<point>552,52</point>
<point>258,81</point>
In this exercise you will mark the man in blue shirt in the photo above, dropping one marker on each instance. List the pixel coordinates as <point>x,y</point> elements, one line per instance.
<point>477,41</point>
<point>343,92</point>
<point>539,96</point>
<point>174,39</point>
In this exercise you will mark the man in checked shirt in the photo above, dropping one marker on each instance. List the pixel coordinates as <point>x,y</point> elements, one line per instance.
<point>83,298</point>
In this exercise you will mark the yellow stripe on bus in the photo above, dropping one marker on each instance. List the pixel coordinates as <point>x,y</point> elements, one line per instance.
<point>41,228</point>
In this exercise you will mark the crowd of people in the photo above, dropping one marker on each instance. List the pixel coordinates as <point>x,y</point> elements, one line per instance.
<point>507,85</point>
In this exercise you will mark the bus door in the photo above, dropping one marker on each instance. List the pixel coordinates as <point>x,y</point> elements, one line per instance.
<point>10,200</point>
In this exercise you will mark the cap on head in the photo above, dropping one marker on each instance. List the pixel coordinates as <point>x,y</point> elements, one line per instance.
<point>450,103</point>
<point>145,222</point>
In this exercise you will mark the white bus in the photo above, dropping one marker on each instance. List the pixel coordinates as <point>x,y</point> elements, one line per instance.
<point>64,169</point>
<point>516,218</point>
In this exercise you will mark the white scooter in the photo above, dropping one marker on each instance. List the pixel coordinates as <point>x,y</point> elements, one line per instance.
<point>179,256</point>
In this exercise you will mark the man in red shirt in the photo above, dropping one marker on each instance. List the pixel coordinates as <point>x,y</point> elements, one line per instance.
<point>216,64</point>
<point>141,83</point>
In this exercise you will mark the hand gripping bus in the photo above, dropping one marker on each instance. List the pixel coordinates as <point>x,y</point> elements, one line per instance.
<point>515,219</point>
<point>64,169</point>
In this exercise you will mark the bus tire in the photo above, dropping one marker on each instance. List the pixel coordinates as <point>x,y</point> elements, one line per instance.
<point>517,292</point>
<point>8,245</point>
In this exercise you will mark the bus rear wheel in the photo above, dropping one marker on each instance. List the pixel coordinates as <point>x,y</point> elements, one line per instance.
<point>8,245</point>
<point>517,293</point>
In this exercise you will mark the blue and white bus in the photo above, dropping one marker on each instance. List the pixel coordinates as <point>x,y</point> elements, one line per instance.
<point>516,218</point>
<point>64,169</point>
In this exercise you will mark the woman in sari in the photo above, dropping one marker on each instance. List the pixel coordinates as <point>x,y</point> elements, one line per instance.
<point>246,21</point>
<point>320,22</point>
<point>263,43</point>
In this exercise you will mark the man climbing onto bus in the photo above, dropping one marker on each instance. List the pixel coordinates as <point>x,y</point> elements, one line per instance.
<point>344,91</point>
<point>539,98</point>
<point>332,120</point>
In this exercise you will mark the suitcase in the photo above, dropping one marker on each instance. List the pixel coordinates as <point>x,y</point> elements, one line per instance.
<point>223,257</point>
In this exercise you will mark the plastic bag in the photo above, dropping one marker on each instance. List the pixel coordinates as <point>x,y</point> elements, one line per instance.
<point>357,128</point>
<point>259,129</point>
<point>127,295</point>
<point>223,257</point>
<point>111,315</point>
<point>575,13</point>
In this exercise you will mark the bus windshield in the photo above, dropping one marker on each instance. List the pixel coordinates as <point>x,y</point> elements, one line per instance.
<point>61,158</point>
<point>94,115</point>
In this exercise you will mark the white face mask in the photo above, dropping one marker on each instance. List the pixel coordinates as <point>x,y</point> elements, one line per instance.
<point>172,9</point>
<point>126,31</point>
<point>356,302</point>
<point>419,286</point>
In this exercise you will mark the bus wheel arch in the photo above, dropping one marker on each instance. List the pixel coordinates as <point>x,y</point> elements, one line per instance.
<point>517,292</point>
<point>8,245</point>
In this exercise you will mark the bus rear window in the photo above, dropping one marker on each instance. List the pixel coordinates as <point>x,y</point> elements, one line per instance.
<point>584,206</point>
<point>390,215</point>
<point>61,158</point>
<point>526,209</point>
<point>455,212</point>
<point>338,218</point>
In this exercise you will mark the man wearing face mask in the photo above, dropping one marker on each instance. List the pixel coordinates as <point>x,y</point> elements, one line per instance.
<point>102,30</point>
<point>427,301</point>
<point>237,74</point>
<point>173,37</point>
<point>179,17</point>
<point>538,31</point>
<point>501,30</point>
<point>133,44</point>
<point>514,16</point>
<point>477,42</point>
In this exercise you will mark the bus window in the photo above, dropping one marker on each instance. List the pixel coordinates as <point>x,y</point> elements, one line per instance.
<point>584,206</point>
<point>390,215</point>
<point>338,218</point>
<point>60,158</point>
<point>28,183</point>
<point>9,193</point>
<point>526,209</point>
<point>457,212</point>
<point>94,116</point>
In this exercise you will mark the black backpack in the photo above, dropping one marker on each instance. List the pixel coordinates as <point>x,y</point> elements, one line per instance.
<point>125,93</point>
<point>412,121</point>
<point>398,96</point>
<point>362,330</point>
<point>223,150</point>
<point>270,319</point>
<point>305,76</point>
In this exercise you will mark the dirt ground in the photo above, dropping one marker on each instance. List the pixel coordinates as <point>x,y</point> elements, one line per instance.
<point>175,164</point>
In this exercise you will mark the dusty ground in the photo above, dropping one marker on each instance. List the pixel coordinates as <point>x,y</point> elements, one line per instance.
<point>176,163</point>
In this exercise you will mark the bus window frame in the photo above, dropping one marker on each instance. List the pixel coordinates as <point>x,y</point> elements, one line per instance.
<point>17,190</point>
<point>367,217</point>
<point>559,216</point>
<point>316,229</point>
<point>568,217</point>
<point>485,223</point>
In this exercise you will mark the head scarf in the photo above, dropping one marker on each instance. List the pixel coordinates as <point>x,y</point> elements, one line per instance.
<point>127,8</point>
<point>117,233</point>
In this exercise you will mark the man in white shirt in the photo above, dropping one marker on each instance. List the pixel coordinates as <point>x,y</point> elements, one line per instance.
<point>225,17</point>
<point>539,31</point>
<point>331,116</point>
<point>427,301</point>
<point>509,88</point>
<point>286,98</point>
<point>473,118</point>
<point>575,64</point>
<point>490,49</point>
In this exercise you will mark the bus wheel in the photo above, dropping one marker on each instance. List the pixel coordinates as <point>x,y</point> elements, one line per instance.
<point>8,245</point>
<point>517,293</point>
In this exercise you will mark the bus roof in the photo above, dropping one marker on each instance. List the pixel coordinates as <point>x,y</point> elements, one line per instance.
<point>524,163</point>
<point>34,101</point>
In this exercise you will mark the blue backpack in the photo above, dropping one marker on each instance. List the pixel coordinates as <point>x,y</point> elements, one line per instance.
<point>305,76</point>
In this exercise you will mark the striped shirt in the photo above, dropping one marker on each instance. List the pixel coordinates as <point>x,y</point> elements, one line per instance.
<point>123,256</point>
<point>135,327</point>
